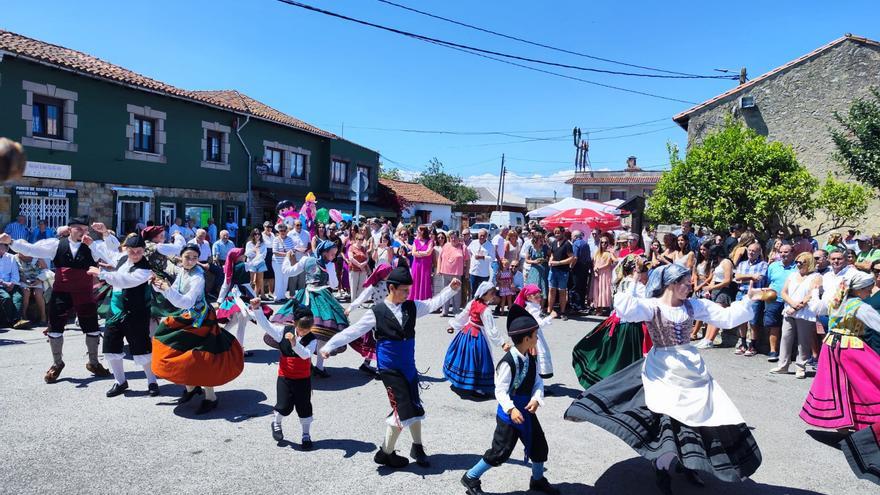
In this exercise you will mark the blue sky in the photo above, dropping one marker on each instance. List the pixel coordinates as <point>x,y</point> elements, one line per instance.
<point>332,73</point>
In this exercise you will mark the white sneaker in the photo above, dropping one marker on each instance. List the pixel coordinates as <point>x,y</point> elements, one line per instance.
<point>780,370</point>
<point>705,344</point>
<point>800,372</point>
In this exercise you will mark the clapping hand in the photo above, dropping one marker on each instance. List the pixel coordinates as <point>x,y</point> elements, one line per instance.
<point>99,227</point>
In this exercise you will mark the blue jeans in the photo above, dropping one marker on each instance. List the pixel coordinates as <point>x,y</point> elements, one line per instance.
<point>558,279</point>
<point>475,282</point>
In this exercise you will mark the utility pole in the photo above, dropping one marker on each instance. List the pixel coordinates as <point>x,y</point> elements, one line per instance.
<point>500,176</point>
<point>503,185</point>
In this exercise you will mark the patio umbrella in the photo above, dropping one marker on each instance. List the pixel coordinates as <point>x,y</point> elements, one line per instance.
<point>582,216</point>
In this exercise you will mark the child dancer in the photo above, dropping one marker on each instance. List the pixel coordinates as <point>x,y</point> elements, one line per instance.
<point>294,384</point>
<point>504,279</point>
<point>468,364</point>
<point>520,391</point>
<point>375,287</point>
<point>532,300</point>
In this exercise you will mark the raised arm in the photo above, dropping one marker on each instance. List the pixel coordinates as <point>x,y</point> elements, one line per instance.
<point>292,270</point>
<point>126,280</point>
<point>630,307</point>
<point>713,313</point>
<point>355,331</point>
<point>274,331</point>
<point>44,249</point>
<point>427,307</point>
<point>172,249</point>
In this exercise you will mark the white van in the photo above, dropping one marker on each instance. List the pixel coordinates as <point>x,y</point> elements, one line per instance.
<point>507,219</point>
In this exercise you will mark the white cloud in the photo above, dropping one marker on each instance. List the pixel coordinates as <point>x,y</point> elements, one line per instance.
<point>526,185</point>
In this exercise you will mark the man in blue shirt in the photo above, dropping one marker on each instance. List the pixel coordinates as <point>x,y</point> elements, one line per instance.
<point>750,273</point>
<point>582,270</point>
<point>212,231</point>
<point>221,248</point>
<point>777,273</point>
<point>18,229</point>
<point>687,229</point>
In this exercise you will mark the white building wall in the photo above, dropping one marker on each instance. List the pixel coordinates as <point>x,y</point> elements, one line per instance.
<point>438,212</point>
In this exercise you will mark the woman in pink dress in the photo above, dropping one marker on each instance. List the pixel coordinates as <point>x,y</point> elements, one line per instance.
<point>423,255</point>
<point>603,268</point>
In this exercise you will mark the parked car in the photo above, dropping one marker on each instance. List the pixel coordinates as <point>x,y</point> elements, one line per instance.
<point>507,219</point>
<point>490,227</point>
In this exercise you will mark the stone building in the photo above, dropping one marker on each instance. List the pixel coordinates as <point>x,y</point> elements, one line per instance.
<point>614,184</point>
<point>795,104</point>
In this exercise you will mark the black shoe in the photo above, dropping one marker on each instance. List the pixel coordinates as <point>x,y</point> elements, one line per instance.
<point>306,443</point>
<point>187,396</point>
<point>366,368</point>
<point>543,486</point>
<point>117,389</point>
<point>319,372</point>
<point>207,406</point>
<point>417,452</point>
<point>564,317</point>
<point>474,487</point>
<point>664,481</point>
<point>277,433</point>
<point>391,460</point>
<point>153,389</point>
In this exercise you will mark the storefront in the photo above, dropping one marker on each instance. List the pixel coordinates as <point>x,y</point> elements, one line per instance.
<point>55,205</point>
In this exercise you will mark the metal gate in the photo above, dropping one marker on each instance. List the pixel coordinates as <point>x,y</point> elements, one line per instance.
<point>56,211</point>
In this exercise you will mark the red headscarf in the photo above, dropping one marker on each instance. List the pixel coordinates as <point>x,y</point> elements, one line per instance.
<point>526,291</point>
<point>379,274</point>
<point>151,232</point>
<point>229,267</point>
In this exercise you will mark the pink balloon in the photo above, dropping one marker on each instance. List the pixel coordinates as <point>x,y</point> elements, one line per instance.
<point>336,215</point>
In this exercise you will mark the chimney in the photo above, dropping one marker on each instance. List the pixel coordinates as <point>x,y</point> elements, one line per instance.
<point>631,163</point>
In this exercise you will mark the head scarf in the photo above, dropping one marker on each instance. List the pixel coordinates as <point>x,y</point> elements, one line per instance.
<point>379,274</point>
<point>322,248</point>
<point>483,288</point>
<point>628,262</point>
<point>526,291</point>
<point>860,280</point>
<point>664,276</point>
<point>519,321</point>
<point>152,232</point>
<point>229,267</point>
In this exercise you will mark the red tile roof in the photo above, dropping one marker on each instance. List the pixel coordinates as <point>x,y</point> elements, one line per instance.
<point>59,56</point>
<point>615,179</point>
<point>414,193</point>
<point>682,118</point>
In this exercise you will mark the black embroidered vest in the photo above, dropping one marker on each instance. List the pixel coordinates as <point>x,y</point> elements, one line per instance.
<point>387,326</point>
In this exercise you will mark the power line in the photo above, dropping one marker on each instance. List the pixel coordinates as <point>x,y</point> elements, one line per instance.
<point>451,44</point>
<point>542,45</point>
<point>515,134</point>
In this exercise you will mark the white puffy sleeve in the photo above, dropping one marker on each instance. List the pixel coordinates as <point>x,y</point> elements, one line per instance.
<point>492,333</point>
<point>363,297</point>
<point>357,330</point>
<point>126,280</point>
<point>869,316</point>
<point>331,274</point>
<point>714,314</point>
<point>630,307</point>
<point>44,249</point>
<point>188,300</point>
<point>458,321</point>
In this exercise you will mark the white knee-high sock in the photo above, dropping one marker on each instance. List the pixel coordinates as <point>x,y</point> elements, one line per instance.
<point>391,435</point>
<point>319,362</point>
<point>306,423</point>
<point>278,418</point>
<point>415,430</point>
<point>117,369</point>
<point>239,334</point>
<point>148,371</point>
<point>209,393</point>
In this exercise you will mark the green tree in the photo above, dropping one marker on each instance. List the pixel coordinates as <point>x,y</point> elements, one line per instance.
<point>447,185</point>
<point>737,176</point>
<point>389,173</point>
<point>858,142</point>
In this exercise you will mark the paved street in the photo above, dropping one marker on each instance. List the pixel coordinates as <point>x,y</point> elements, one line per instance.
<point>69,438</point>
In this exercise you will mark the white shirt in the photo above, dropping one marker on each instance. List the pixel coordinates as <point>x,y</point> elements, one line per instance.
<point>488,327</point>
<point>498,243</point>
<point>196,289</point>
<point>204,251</point>
<point>503,378</point>
<point>255,254</point>
<point>480,267</point>
<point>368,320</point>
<point>123,277</point>
<point>8,268</point>
<point>277,333</point>
<point>301,242</point>
<point>47,248</point>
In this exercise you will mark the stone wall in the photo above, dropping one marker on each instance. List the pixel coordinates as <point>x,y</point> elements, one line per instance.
<point>797,106</point>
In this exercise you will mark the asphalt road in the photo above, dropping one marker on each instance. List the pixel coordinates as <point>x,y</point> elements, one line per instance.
<point>69,438</point>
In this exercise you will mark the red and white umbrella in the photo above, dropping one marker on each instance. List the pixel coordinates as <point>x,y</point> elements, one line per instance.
<point>582,216</point>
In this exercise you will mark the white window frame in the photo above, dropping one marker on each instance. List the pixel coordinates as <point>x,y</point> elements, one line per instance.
<point>347,181</point>
<point>225,131</point>
<point>160,138</point>
<point>285,177</point>
<point>68,120</point>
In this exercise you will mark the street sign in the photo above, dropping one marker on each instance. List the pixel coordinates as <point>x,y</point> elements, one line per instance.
<point>262,169</point>
<point>359,184</point>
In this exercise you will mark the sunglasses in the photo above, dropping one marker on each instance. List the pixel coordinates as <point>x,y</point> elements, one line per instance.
<point>876,271</point>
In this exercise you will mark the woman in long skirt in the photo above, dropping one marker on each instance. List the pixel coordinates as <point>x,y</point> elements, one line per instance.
<point>616,343</point>
<point>235,295</point>
<point>189,347</point>
<point>603,268</point>
<point>667,406</point>
<point>423,256</point>
<point>468,364</point>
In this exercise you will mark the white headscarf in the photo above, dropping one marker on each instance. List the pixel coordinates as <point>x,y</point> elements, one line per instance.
<point>460,320</point>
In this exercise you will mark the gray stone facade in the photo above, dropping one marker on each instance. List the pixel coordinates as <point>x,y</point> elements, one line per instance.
<point>796,105</point>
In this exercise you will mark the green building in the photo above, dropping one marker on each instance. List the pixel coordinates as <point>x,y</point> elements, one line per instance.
<point>124,149</point>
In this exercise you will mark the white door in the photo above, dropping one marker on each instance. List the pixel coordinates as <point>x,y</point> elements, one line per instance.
<point>130,213</point>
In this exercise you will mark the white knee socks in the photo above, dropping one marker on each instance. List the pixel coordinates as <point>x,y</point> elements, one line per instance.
<point>117,368</point>
<point>415,430</point>
<point>278,418</point>
<point>209,394</point>
<point>239,334</point>
<point>306,423</point>
<point>391,435</point>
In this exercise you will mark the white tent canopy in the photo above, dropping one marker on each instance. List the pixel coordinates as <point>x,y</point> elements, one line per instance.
<point>569,203</point>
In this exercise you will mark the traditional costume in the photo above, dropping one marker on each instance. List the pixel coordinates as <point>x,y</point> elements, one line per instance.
<point>517,384</point>
<point>294,384</point>
<point>375,288</point>
<point>157,258</point>
<point>545,359</point>
<point>189,347</point>
<point>235,294</point>
<point>321,279</point>
<point>130,314</point>
<point>395,326</point>
<point>616,343</point>
<point>862,451</point>
<point>71,292</point>
<point>846,390</point>
<point>468,364</point>
<point>666,406</point>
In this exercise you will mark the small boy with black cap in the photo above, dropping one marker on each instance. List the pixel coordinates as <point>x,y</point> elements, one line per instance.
<point>294,385</point>
<point>519,391</point>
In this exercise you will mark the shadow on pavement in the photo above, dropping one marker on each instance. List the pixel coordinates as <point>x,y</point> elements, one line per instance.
<point>440,463</point>
<point>469,395</point>
<point>559,390</point>
<point>829,438</point>
<point>348,447</point>
<point>11,342</point>
<point>265,356</point>
<point>636,475</point>
<point>234,406</point>
<point>564,488</point>
<point>341,379</point>
<point>85,382</point>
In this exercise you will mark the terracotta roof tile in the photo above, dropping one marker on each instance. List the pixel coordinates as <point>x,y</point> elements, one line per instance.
<point>415,193</point>
<point>682,118</point>
<point>77,61</point>
<point>619,179</point>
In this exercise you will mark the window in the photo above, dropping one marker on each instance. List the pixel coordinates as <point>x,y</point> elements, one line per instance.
<point>297,166</point>
<point>47,114</point>
<point>214,151</point>
<point>339,172</point>
<point>591,194</point>
<point>144,136</point>
<point>646,192</point>
<point>274,159</point>
<point>199,214</point>
<point>366,173</point>
<point>618,194</point>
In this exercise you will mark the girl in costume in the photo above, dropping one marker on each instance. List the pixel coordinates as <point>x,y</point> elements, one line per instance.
<point>469,365</point>
<point>321,279</point>
<point>375,288</point>
<point>157,253</point>
<point>667,406</point>
<point>235,293</point>
<point>845,394</point>
<point>190,348</point>
<point>615,343</point>
<point>506,289</point>
<point>531,299</point>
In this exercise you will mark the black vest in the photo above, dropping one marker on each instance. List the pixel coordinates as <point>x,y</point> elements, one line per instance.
<point>64,258</point>
<point>136,300</point>
<point>528,383</point>
<point>387,326</point>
